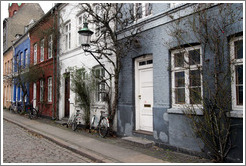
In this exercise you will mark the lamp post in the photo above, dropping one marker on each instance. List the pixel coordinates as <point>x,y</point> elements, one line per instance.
<point>85,34</point>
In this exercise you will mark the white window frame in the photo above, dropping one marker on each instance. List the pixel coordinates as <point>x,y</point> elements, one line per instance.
<point>80,26</point>
<point>22,59</point>
<point>99,86</point>
<point>26,57</point>
<point>67,34</point>
<point>35,51</point>
<point>42,50</point>
<point>174,5</point>
<point>50,89</point>
<point>237,110</point>
<point>41,84</point>
<point>144,10</point>
<point>26,94</point>
<point>187,68</point>
<point>50,47</point>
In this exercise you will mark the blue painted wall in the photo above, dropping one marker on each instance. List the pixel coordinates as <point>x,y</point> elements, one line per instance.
<point>169,129</point>
<point>22,46</point>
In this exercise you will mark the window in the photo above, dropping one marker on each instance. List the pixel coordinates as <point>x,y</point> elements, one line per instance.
<point>41,90</point>
<point>35,54</point>
<point>22,59</point>
<point>50,47</point>
<point>186,76</point>
<point>68,36</point>
<point>99,74</point>
<point>80,21</point>
<point>173,5</point>
<point>236,48</point>
<point>50,89</point>
<point>142,10</point>
<point>26,57</point>
<point>6,67</point>
<point>27,93</point>
<point>99,12</point>
<point>42,50</point>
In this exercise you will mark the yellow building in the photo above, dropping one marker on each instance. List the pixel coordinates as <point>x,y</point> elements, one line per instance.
<point>7,72</point>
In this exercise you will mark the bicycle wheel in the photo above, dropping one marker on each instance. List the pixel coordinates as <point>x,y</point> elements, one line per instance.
<point>103,127</point>
<point>34,113</point>
<point>74,125</point>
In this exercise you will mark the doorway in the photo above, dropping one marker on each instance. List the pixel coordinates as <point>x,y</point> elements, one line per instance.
<point>144,93</point>
<point>67,95</point>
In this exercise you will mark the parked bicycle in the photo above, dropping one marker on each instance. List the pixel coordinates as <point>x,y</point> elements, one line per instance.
<point>102,124</point>
<point>75,120</point>
<point>32,112</point>
<point>16,107</point>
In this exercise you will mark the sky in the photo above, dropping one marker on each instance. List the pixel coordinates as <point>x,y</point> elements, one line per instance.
<point>45,5</point>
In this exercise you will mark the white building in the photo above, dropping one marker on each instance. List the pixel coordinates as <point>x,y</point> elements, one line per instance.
<point>73,56</point>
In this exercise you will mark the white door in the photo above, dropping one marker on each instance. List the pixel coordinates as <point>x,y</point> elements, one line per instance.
<point>144,94</point>
<point>34,94</point>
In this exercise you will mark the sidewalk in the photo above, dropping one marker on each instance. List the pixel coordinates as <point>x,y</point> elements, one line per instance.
<point>109,150</point>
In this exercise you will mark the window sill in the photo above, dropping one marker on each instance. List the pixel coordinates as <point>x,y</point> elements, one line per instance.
<point>180,111</point>
<point>236,114</point>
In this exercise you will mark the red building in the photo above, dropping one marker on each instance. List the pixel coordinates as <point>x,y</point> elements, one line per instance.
<point>14,7</point>
<point>43,53</point>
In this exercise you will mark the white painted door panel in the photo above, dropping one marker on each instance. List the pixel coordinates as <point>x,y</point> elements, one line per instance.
<point>146,99</point>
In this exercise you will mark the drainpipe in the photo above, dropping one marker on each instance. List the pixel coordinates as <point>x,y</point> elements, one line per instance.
<point>57,66</point>
<point>54,74</point>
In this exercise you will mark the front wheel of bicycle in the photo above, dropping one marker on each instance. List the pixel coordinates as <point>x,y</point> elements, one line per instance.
<point>33,114</point>
<point>74,125</point>
<point>103,127</point>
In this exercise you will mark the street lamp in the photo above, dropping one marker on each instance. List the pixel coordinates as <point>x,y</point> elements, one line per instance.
<point>85,34</point>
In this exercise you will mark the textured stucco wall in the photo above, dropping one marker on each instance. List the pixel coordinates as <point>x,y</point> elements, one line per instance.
<point>168,128</point>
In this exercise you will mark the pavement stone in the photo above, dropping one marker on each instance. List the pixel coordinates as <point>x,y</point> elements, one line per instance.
<point>112,149</point>
<point>22,146</point>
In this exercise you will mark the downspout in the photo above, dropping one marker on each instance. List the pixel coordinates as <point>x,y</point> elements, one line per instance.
<point>57,65</point>
<point>54,74</point>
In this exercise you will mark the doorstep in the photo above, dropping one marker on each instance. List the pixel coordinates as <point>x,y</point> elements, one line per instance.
<point>138,141</point>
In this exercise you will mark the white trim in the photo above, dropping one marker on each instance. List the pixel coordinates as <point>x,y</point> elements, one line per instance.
<point>50,46</point>
<point>180,111</point>
<point>42,50</point>
<point>35,55</point>
<point>49,89</point>
<point>186,70</point>
<point>137,88</point>
<point>237,109</point>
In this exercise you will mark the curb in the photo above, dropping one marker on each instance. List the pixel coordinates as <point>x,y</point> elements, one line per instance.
<point>94,156</point>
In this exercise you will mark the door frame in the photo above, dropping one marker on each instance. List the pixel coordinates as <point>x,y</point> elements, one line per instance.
<point>137,87</point>
<point>34,96</point>
<point>65,88</point>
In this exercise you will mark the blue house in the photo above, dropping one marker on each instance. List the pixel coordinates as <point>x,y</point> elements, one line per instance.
<point>21,60</point>
<point>158,80</point>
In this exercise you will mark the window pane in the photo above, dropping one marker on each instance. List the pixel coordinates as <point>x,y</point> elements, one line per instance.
<point>194,57</point>
<point>179,79</point>
<point>179,60</point>
<point>180,96</point>
<point>239,91</point>
<point>195,95</point>
<point>239,74</point>
<point>195,78</point>
<point>238,49</point>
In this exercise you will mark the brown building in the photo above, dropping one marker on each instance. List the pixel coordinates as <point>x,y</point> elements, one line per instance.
<point>19,17</point>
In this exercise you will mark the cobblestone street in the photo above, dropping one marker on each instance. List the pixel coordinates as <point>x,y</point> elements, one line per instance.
<point>22,146</point>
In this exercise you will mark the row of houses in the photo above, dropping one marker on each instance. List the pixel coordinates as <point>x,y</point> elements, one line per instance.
<point>168,70</point>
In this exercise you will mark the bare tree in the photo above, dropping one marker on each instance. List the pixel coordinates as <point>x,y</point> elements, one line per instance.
<point>211,26</point>
<point>24,74</point>
<point>112,19</point>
